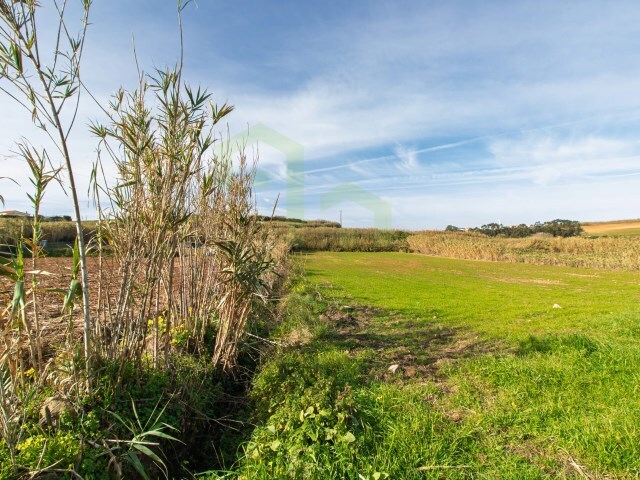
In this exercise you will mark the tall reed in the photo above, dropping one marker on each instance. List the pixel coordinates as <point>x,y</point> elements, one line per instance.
<point>46,83</point>
<point>188,251</point>
<point>181,249</point>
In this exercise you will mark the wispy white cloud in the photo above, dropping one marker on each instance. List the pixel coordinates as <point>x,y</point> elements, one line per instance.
<point>547,158</point>
<point>408,159</point>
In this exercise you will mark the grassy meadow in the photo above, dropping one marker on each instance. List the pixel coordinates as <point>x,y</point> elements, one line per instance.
<point>408,366</point>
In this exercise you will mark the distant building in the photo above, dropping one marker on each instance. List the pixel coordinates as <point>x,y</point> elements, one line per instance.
<point>14,214</point>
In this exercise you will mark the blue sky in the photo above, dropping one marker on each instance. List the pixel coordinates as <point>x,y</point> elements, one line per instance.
<point>457,112</point>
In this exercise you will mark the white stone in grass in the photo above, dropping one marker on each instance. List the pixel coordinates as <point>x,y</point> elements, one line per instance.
<point>393,368</point>
<point>555,305</point>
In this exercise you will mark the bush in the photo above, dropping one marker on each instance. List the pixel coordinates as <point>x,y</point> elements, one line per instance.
<point>309,420</point>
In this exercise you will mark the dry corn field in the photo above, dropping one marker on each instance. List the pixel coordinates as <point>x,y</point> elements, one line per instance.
<point>617,253</point>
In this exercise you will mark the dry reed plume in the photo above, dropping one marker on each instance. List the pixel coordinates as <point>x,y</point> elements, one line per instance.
<point>618,253</point>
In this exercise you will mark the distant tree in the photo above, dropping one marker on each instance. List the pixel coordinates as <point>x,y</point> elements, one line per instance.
<point>452,228</point>
<point>520,231</point>
<point>563,228</point>
<point>556,228</point>
<point>492,229</point>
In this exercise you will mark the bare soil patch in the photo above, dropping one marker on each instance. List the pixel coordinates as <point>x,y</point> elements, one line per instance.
<point>52,287</point>
<point>406,349</point>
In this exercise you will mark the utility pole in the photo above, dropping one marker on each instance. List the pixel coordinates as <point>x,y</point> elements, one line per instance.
<point>340,218</point>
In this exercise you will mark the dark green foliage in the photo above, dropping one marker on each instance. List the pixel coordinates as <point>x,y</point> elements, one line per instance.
<point>57,218</point>
<point>550,343</point>
<point>309,422</point>
<point>190,401</point>
<point>556,228</point>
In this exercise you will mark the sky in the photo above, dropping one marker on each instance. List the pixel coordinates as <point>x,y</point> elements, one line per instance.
<point>403,114</point>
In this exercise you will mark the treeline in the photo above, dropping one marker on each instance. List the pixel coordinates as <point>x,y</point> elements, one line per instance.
<point>279,220</point>
<point>55,218</point>
<point>41,218</point>
<point>555,228</point>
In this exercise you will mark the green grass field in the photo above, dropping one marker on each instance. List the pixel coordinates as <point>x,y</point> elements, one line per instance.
<point>489,381</point>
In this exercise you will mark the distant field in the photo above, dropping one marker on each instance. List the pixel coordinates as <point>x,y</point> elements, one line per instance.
<point>601,252</point>
<point>347,240</point>
<point>453,369</point>
<point>505,300</point>
<point>617,227</point>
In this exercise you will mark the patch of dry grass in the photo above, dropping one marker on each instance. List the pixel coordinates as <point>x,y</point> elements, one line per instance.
<point>347,240</point>
<point>58,232</point>
<point>617,227</point>
<point>617,253</point>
